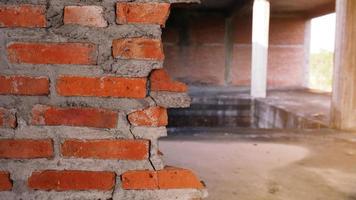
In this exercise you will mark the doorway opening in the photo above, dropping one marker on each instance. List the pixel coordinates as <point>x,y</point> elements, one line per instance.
<point>322,42</point>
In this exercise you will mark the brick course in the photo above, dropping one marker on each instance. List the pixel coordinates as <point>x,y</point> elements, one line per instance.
<point>24,85</point>
<point>26,148</point>
<point>84,16</point>
<point>138,180</point>
<point>168,178</point>
<point>5,181</point>
<point>106,149</point>
<point>71,180</point>
<point>146,13</point>
<point>138,48</point>
<point>101,86</point>
<point>161,81</point>
<point>52,53</point>
<point>153,116</point>
<point>90,117</point>
<point>23,15</point>
<point>7,118</point>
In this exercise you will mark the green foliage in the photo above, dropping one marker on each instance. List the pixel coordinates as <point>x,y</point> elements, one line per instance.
<point>321,70</point>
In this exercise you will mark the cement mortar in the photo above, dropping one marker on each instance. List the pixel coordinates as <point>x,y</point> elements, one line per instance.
<point>171,99</point>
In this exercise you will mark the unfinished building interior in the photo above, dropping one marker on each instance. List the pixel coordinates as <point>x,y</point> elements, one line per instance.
<point>87,88</point>
<point>266,134</point>
<point>210,48</point>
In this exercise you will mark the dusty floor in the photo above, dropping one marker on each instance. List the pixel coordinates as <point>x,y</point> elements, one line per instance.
<point>268,165</point>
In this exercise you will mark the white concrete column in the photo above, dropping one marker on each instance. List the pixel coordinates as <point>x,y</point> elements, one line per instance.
<point>343,106</point>
<point>260,36</point>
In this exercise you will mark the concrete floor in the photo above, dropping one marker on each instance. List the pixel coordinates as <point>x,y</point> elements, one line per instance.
<point>268,165</point>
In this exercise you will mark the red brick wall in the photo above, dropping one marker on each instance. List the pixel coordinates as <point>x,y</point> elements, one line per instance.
<point>286,63</point>
<point>201,58</point>
<point>198,58</point>
<point>69,122</point>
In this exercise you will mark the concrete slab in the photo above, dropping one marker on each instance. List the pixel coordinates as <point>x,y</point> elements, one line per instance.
<point>232,107</point>
<point>297,108</point>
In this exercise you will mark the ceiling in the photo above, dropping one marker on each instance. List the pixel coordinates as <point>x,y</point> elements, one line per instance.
<point>277,6</point>
<point>217,4</point>
<point>299,5</point>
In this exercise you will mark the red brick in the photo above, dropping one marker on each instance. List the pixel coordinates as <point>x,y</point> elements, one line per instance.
<point>26,148</point>
<point>89,117</point>
<point>23,15</point>
<point>177,178</point>
<point>138,48</point>
<point>52,53</point>
<point>71,180</point>
<point>147,13</point>
<point>168,178</point>
<point>161,81</point>
<point>5,181</point>
<point>24,85</point>
<point>106,149</point>
<point>152,116</point>
<point>136,180</point>
<point>7,118</point>
<point>85,16</point>
<point>101,86</point>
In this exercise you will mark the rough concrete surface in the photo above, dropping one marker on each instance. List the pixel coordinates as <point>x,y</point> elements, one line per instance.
<point>232,107</point>
<point>294,107</point>
<point>268,165</point>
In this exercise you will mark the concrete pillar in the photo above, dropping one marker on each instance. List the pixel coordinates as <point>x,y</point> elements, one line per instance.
<point>343,106</point>
<point>229,48</point>
<point>260,33</point>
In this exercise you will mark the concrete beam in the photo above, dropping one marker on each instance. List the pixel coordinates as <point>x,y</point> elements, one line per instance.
<point>321,10</point>
<point>343,106</point>
<point>260,36</point>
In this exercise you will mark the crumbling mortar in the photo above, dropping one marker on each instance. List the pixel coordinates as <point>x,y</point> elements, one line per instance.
<point>150,156</point>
